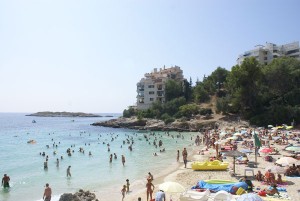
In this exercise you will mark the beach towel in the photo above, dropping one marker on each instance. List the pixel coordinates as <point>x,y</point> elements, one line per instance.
<point>219,187</point>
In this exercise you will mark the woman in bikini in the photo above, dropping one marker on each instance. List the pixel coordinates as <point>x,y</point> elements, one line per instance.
<point>150,190</point>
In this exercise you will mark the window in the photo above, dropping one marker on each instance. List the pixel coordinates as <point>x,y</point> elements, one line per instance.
<point>292,51</point>
<point>151,99</point>
<point>151,92</point>
<point>150,86</point>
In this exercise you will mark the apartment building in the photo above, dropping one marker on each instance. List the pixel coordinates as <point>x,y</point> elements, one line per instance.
<point>151,87</point>
<point>266,53</point>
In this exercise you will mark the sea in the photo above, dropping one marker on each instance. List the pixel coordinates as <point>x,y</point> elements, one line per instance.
<point>23,162</point>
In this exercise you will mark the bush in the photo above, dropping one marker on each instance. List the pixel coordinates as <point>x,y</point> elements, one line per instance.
<point>169,120</point>
<point>206,111</point>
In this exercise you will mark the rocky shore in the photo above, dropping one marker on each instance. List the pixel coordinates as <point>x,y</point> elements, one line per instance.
<point>191,125</point>
<point>81,195</point>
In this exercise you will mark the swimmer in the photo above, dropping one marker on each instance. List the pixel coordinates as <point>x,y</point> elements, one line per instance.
<point>123,160</point>
<point>69,171</point>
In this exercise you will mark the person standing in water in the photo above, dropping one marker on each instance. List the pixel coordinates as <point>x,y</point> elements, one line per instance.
<point>47,193</point>
<point>127,185</point>
<point>69,171</point>
<point>5,181</point>
<point>178,155</point>
<point>123,160</point>
<point>184,156</point>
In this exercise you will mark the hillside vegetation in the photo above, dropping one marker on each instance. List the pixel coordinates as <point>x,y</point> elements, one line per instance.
<point>262,94</point>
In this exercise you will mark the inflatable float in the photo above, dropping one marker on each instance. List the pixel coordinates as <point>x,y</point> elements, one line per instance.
<point>210,165</point>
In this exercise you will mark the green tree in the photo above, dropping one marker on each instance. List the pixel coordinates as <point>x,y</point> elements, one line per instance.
<point>243,85</point>
<point>173,89</point>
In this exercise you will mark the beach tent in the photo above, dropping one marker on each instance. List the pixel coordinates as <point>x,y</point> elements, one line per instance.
<point>249,197</point>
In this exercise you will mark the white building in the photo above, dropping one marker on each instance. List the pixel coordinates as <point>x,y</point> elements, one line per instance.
<point>151,88</point>
<point>265,54</point>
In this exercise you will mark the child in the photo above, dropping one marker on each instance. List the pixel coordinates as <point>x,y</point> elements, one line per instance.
<point>123,191</point>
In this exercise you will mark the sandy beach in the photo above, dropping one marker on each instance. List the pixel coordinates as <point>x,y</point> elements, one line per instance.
<point>188,177</point>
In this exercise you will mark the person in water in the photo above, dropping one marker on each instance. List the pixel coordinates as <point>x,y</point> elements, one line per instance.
<point>127,185</point>
<point>47,193</point>
<point>69,171</point>
<point>5,181</point>
<point>123,160</point>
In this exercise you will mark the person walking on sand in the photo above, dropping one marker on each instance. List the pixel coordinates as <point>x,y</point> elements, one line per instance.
<point>184,156</point>
<point>47,193</point>
<point>150,189</point>
<point>123,191</point>
<point>123,160</point>
<point>178,153</point>
<point>5,181</point>
<point>69,171</point>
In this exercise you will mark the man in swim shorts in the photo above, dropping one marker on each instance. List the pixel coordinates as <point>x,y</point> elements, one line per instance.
<point>47,193</point>
<point>5,181</point>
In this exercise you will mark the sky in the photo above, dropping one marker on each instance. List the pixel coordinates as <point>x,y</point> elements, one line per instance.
<point>88,55</point>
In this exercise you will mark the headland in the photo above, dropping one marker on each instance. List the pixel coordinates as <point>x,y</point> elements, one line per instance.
<point>63,114</point>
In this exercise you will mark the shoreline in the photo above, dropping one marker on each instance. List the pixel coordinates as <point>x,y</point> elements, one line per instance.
<point>188,177</point>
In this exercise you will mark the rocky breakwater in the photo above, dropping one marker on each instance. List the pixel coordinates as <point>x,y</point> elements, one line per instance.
<point>191,125</point>
<point>81,195</point>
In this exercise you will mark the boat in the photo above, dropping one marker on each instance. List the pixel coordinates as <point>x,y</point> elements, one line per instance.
<point>33,121</point>
<point>210,165</point>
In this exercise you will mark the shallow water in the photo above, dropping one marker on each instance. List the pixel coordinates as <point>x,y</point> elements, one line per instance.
<point>24,164</point>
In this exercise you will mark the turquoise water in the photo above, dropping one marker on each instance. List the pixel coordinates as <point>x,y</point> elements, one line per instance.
<point>24,164</point>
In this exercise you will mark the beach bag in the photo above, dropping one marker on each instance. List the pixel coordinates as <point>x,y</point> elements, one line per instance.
<point>262,193</point>
<point>240,191</point>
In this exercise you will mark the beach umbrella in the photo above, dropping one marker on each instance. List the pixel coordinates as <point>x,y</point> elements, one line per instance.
<point>231,138</point>
<point>276,169</point>
<point>237,134</point>
<point>257,141</point>
<point>246,151</point>
<point>265,150</point>
<point>270,126</point>
<point>171,187</point>
<point>293,148</point>
<point>286,161</point>
<point>234,154</point>
<point>249,197</point>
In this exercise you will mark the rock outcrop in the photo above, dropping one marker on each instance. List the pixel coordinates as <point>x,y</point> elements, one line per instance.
<point>191,125</point>
<point>81,195</point>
